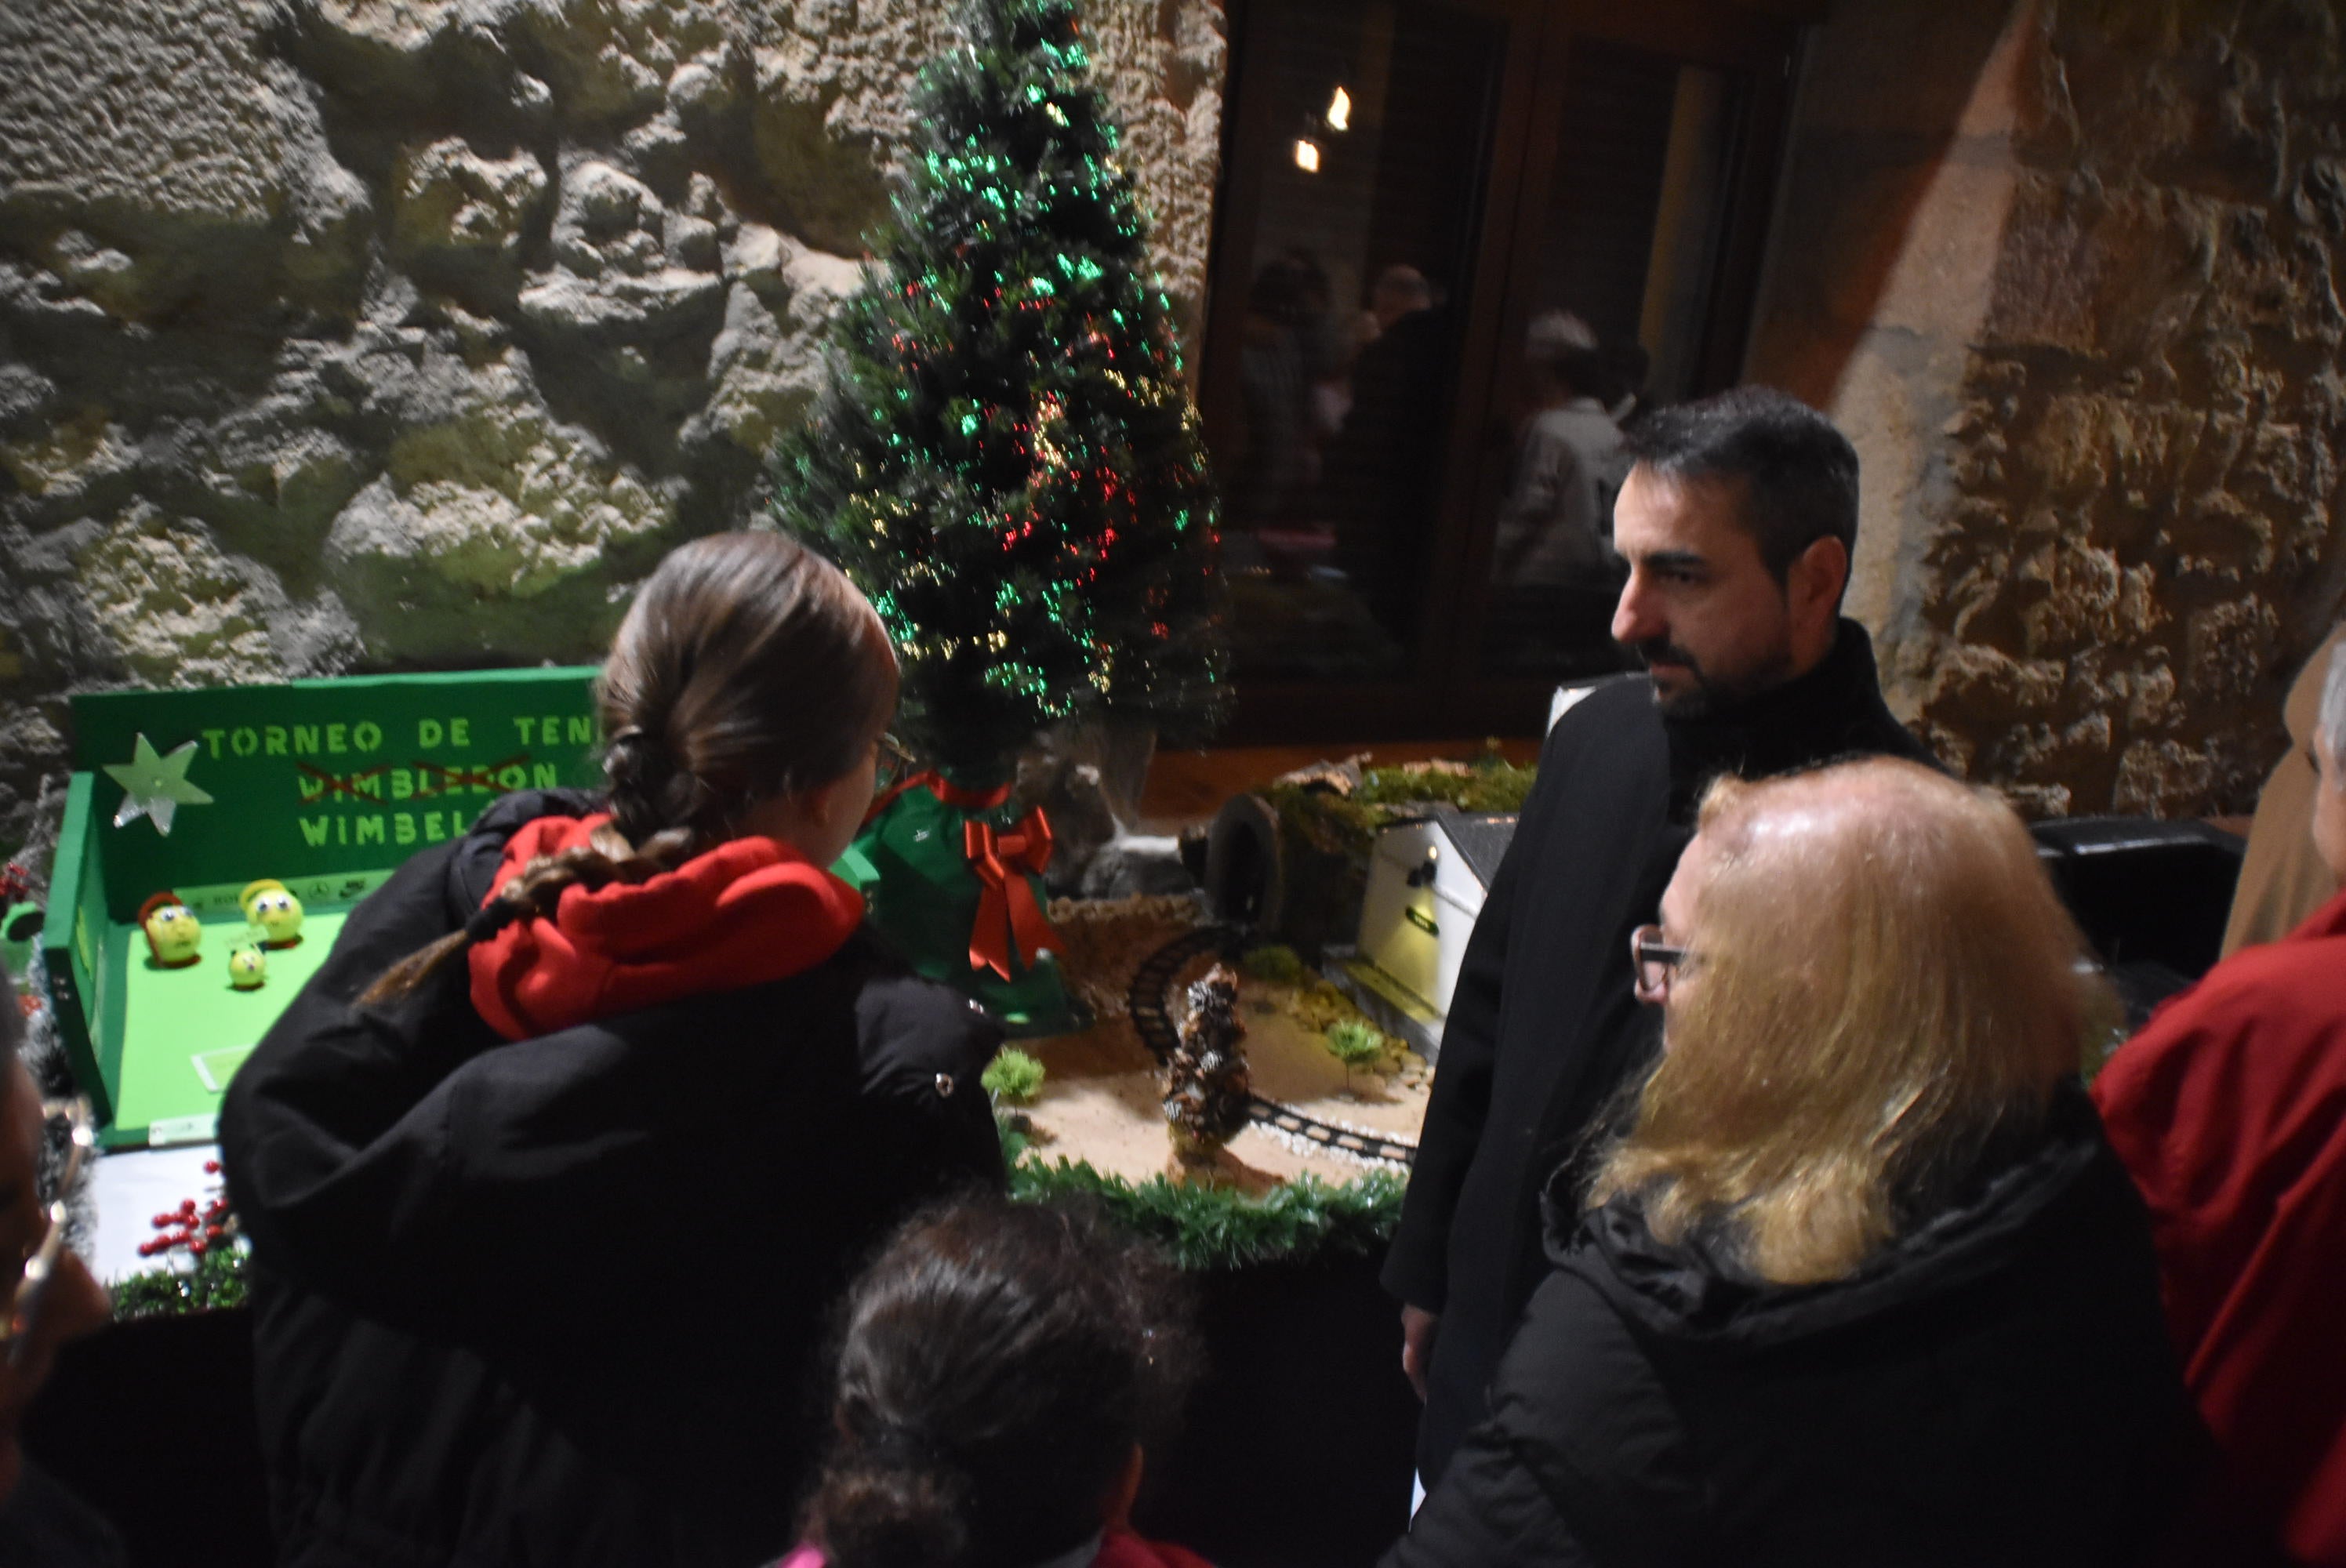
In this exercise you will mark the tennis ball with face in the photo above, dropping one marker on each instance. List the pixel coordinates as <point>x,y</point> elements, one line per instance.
<point>173,935</point>
<point>267,904</point>
<point>247,967</point>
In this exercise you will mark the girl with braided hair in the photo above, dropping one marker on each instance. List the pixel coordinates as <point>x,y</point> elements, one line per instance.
<point>1000,1366</point>
<point>554,1169</point>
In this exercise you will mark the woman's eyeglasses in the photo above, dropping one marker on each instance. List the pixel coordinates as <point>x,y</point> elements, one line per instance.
<point>17,1333</point>
<point>1651,961</point>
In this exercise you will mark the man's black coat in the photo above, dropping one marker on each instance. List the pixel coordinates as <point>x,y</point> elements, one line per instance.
<point>1544,1031</point>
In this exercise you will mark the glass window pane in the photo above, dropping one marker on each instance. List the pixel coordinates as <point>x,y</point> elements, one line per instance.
<point>1621,299</point>
<point>1371,170</point>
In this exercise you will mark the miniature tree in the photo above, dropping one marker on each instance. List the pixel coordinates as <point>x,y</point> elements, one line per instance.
<point>1013,1077</point>
<point>1208,1090</point>
<point>1006,461</point>
<point>1354,1044</point>
<point>1278,964</point>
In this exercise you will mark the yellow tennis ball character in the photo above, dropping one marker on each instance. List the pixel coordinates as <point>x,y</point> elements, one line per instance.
<point>173,932</point>
<point>270,906</point>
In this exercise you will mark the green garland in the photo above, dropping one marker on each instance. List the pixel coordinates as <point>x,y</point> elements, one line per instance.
<point>1216,1229</point>
<point>217,1281</point>
<point>1203,1227</point>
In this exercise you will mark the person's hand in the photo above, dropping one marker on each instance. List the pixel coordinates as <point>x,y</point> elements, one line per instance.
<point>1417,1327</point>
<point>72,1304</point>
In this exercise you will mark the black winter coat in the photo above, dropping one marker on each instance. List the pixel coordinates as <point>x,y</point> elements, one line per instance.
<point>1544,1031</point>
<point>1996,1388</point>
<point>561,1300</point>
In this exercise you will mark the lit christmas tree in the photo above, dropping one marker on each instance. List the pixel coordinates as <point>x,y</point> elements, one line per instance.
<point>1006,460</point>
<point>1007,463</point>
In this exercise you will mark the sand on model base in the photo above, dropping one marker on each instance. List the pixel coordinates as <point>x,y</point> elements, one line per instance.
<point>1102,1101</point>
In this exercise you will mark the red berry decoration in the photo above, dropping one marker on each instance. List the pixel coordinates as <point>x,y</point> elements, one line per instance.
<point>211,1167</point>
<point>200,1232</point>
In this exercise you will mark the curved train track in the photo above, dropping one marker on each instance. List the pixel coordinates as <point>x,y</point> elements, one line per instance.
<point>1150,1001</point>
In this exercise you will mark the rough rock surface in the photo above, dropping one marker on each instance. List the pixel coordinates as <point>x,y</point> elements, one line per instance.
<point>2082,315</point>
<point>364,334</point>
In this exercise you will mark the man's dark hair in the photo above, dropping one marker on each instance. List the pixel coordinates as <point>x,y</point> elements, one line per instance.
<point>1797,472</point>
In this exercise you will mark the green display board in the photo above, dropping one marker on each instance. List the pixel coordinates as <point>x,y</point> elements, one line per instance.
<point>326,786</point>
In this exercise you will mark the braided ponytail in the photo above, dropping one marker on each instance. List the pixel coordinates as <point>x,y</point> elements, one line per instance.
<point>647,790</point>
<point>535,894</point>
<point>747,668</point>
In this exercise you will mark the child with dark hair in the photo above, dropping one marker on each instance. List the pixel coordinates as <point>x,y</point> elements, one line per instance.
<point>555,1169</point>
<point>1000,1368</point>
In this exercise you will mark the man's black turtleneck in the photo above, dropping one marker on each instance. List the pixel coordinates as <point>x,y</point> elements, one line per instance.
<point>1834,710</point>
<point>1544,1031</point>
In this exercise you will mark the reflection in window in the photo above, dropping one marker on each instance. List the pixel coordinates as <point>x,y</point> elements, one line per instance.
<point>1622,296</point>
<point>1332,465</point>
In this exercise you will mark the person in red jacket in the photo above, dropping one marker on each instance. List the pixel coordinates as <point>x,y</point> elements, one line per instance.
<point>2229,1110</point>
<point>1000,1369</point>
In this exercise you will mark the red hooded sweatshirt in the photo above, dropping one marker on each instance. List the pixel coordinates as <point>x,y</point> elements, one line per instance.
<point>2230,1110</point>
<point>749,910</point>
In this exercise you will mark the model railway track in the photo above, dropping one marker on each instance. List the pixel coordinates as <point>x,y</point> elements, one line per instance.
<point>1150,999</point>
<point>1150,1003</point>
<point>1367,1145</point>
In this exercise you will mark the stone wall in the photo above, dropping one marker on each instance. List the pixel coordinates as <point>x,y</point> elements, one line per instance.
<point>378,334</point>
<point>2068,271</point>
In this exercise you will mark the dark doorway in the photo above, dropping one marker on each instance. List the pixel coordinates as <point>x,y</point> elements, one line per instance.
<point>1460,244</point>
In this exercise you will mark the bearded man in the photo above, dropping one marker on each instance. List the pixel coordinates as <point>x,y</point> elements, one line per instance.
<point>1736,524</point>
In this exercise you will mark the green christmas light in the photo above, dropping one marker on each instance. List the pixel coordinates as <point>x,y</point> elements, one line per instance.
<point>1069,564</point>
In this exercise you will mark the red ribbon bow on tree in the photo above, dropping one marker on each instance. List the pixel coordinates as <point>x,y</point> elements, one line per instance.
<point>1008,918</point>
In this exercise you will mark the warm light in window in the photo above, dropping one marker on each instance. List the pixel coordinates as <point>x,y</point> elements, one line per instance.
<point>1307,157</point>
<point>1340,111</point>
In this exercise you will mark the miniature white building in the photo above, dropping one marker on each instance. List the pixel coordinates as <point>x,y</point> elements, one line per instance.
<point>1427,879</point>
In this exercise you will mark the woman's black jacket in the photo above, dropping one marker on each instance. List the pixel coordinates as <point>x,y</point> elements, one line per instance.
<point>1995,1389</point>
<point>561,1300</point>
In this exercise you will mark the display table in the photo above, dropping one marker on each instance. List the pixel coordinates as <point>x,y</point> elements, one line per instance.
<point>326,787</point>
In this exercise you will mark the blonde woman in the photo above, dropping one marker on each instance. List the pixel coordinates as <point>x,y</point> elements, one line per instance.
<point>1862,1283</point>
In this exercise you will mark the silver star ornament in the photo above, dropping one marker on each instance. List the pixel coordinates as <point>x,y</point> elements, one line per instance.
<point>155,787</point>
